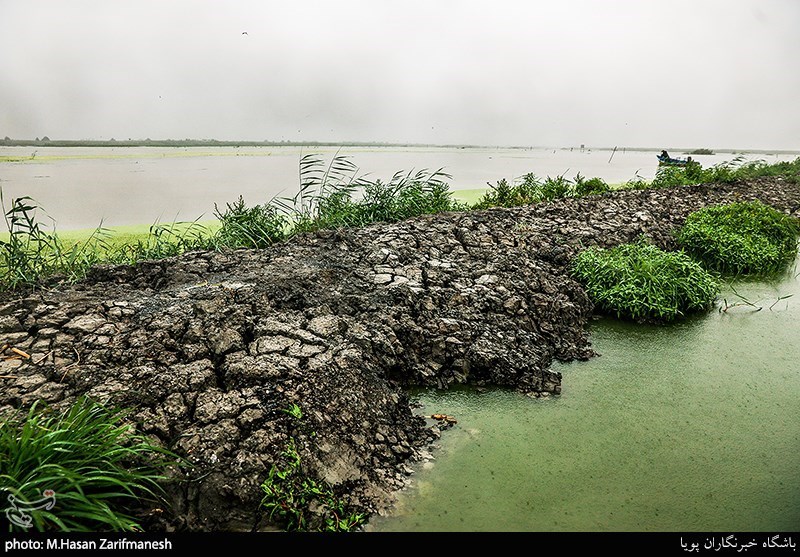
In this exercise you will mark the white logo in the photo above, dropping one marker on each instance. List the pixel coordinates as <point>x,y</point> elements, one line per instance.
<point>17,513</point>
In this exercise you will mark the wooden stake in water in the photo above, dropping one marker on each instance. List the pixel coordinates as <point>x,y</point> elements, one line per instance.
<point>612,154</point>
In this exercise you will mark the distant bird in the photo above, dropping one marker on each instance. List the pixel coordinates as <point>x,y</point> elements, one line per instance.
<point>244,32</point>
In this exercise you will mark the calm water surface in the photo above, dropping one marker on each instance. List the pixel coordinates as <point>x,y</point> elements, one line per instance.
<point>138,185</point>
<point>694,426</point>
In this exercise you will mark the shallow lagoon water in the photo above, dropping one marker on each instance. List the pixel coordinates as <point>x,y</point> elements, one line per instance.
<point>690,427</point>
<point>80,186</point>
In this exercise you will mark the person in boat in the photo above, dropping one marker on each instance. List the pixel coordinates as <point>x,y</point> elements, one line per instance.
<point>664,158</point>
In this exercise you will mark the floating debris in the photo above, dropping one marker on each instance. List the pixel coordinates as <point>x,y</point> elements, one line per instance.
<point>444,418</point>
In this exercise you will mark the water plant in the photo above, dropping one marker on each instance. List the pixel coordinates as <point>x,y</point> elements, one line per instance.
<point>161,241</point>
<point>504,194</point>
<point>642,282</point>
<point>638,182</point>
<point>788,170</point>
<point>671,176</point>
<point>32,252</point>
<point>745,238</point>
<point>556,188</point>
<point>86,460</point>
<point>736,170</point>
<point>530,189</point>
<point>258,226</point>
<point>591,186</point>
<point>333,195</point>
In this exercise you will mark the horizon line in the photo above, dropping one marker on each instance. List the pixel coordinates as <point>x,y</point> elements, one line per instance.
<point>46,141</point>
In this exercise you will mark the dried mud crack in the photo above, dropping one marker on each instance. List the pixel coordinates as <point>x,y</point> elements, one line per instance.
<point>209,348</point>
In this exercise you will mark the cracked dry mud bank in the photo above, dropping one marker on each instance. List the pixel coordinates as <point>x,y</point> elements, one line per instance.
<point>209,348</point>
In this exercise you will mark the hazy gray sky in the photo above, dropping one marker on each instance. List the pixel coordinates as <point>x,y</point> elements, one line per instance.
<point>715,73</point>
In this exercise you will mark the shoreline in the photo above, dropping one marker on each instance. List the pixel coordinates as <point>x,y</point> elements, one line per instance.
<point>210,348</point>
<point>253,149</point>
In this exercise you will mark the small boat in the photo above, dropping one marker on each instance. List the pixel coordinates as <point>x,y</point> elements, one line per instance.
<point>666,160</point>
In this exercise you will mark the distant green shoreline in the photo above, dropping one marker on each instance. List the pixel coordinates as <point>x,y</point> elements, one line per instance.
<point>8,142</point>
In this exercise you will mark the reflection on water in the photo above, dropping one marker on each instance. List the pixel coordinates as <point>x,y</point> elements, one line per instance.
<point>137,185</point>
<point>694,426</point>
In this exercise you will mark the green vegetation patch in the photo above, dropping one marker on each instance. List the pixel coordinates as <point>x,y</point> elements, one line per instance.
<point>290,493</point>
<point>258,226</point>
<point>331,195</point>
<point>642,282</point>
<point>80,470</point>
<point>30,253</point>
<point>788,170</point>
<point>530,189</point>
<point>747,238</point>
<point>728,172</point>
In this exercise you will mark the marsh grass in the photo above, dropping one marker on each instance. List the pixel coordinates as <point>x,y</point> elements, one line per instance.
<point>590,186</point>
<point>332,195</point>
<point>747,238</point>
<point>34,253</point>
<point>788,170</point>
<point>162,241</point>
<point>98,468</point>
<point>531,189</point>
<point>241,226</point>
<point>671,176</point>
<point>642,282</point>
<point>735,170</point>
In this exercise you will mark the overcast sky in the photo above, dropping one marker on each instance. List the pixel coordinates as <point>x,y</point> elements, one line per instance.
<point>694,73</point>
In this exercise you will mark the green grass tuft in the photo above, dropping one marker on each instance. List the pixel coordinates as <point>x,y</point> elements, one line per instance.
<point>160,242</point>
<point>331,195</point>
<point>97,467</point>
<point>241,226</point>
<point>290,493</point>
<point>728,172</point>
<point>592,186</point>
<point>642,282</point>
<point>747,238</point>
<point>31,253</point>
<point>671,176</point>
<point>530,189</point>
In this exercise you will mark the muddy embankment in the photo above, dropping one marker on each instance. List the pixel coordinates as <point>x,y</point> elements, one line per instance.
<point>208,349</point>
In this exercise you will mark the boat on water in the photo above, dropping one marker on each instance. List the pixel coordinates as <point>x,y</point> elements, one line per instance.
<point>665,160</point>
